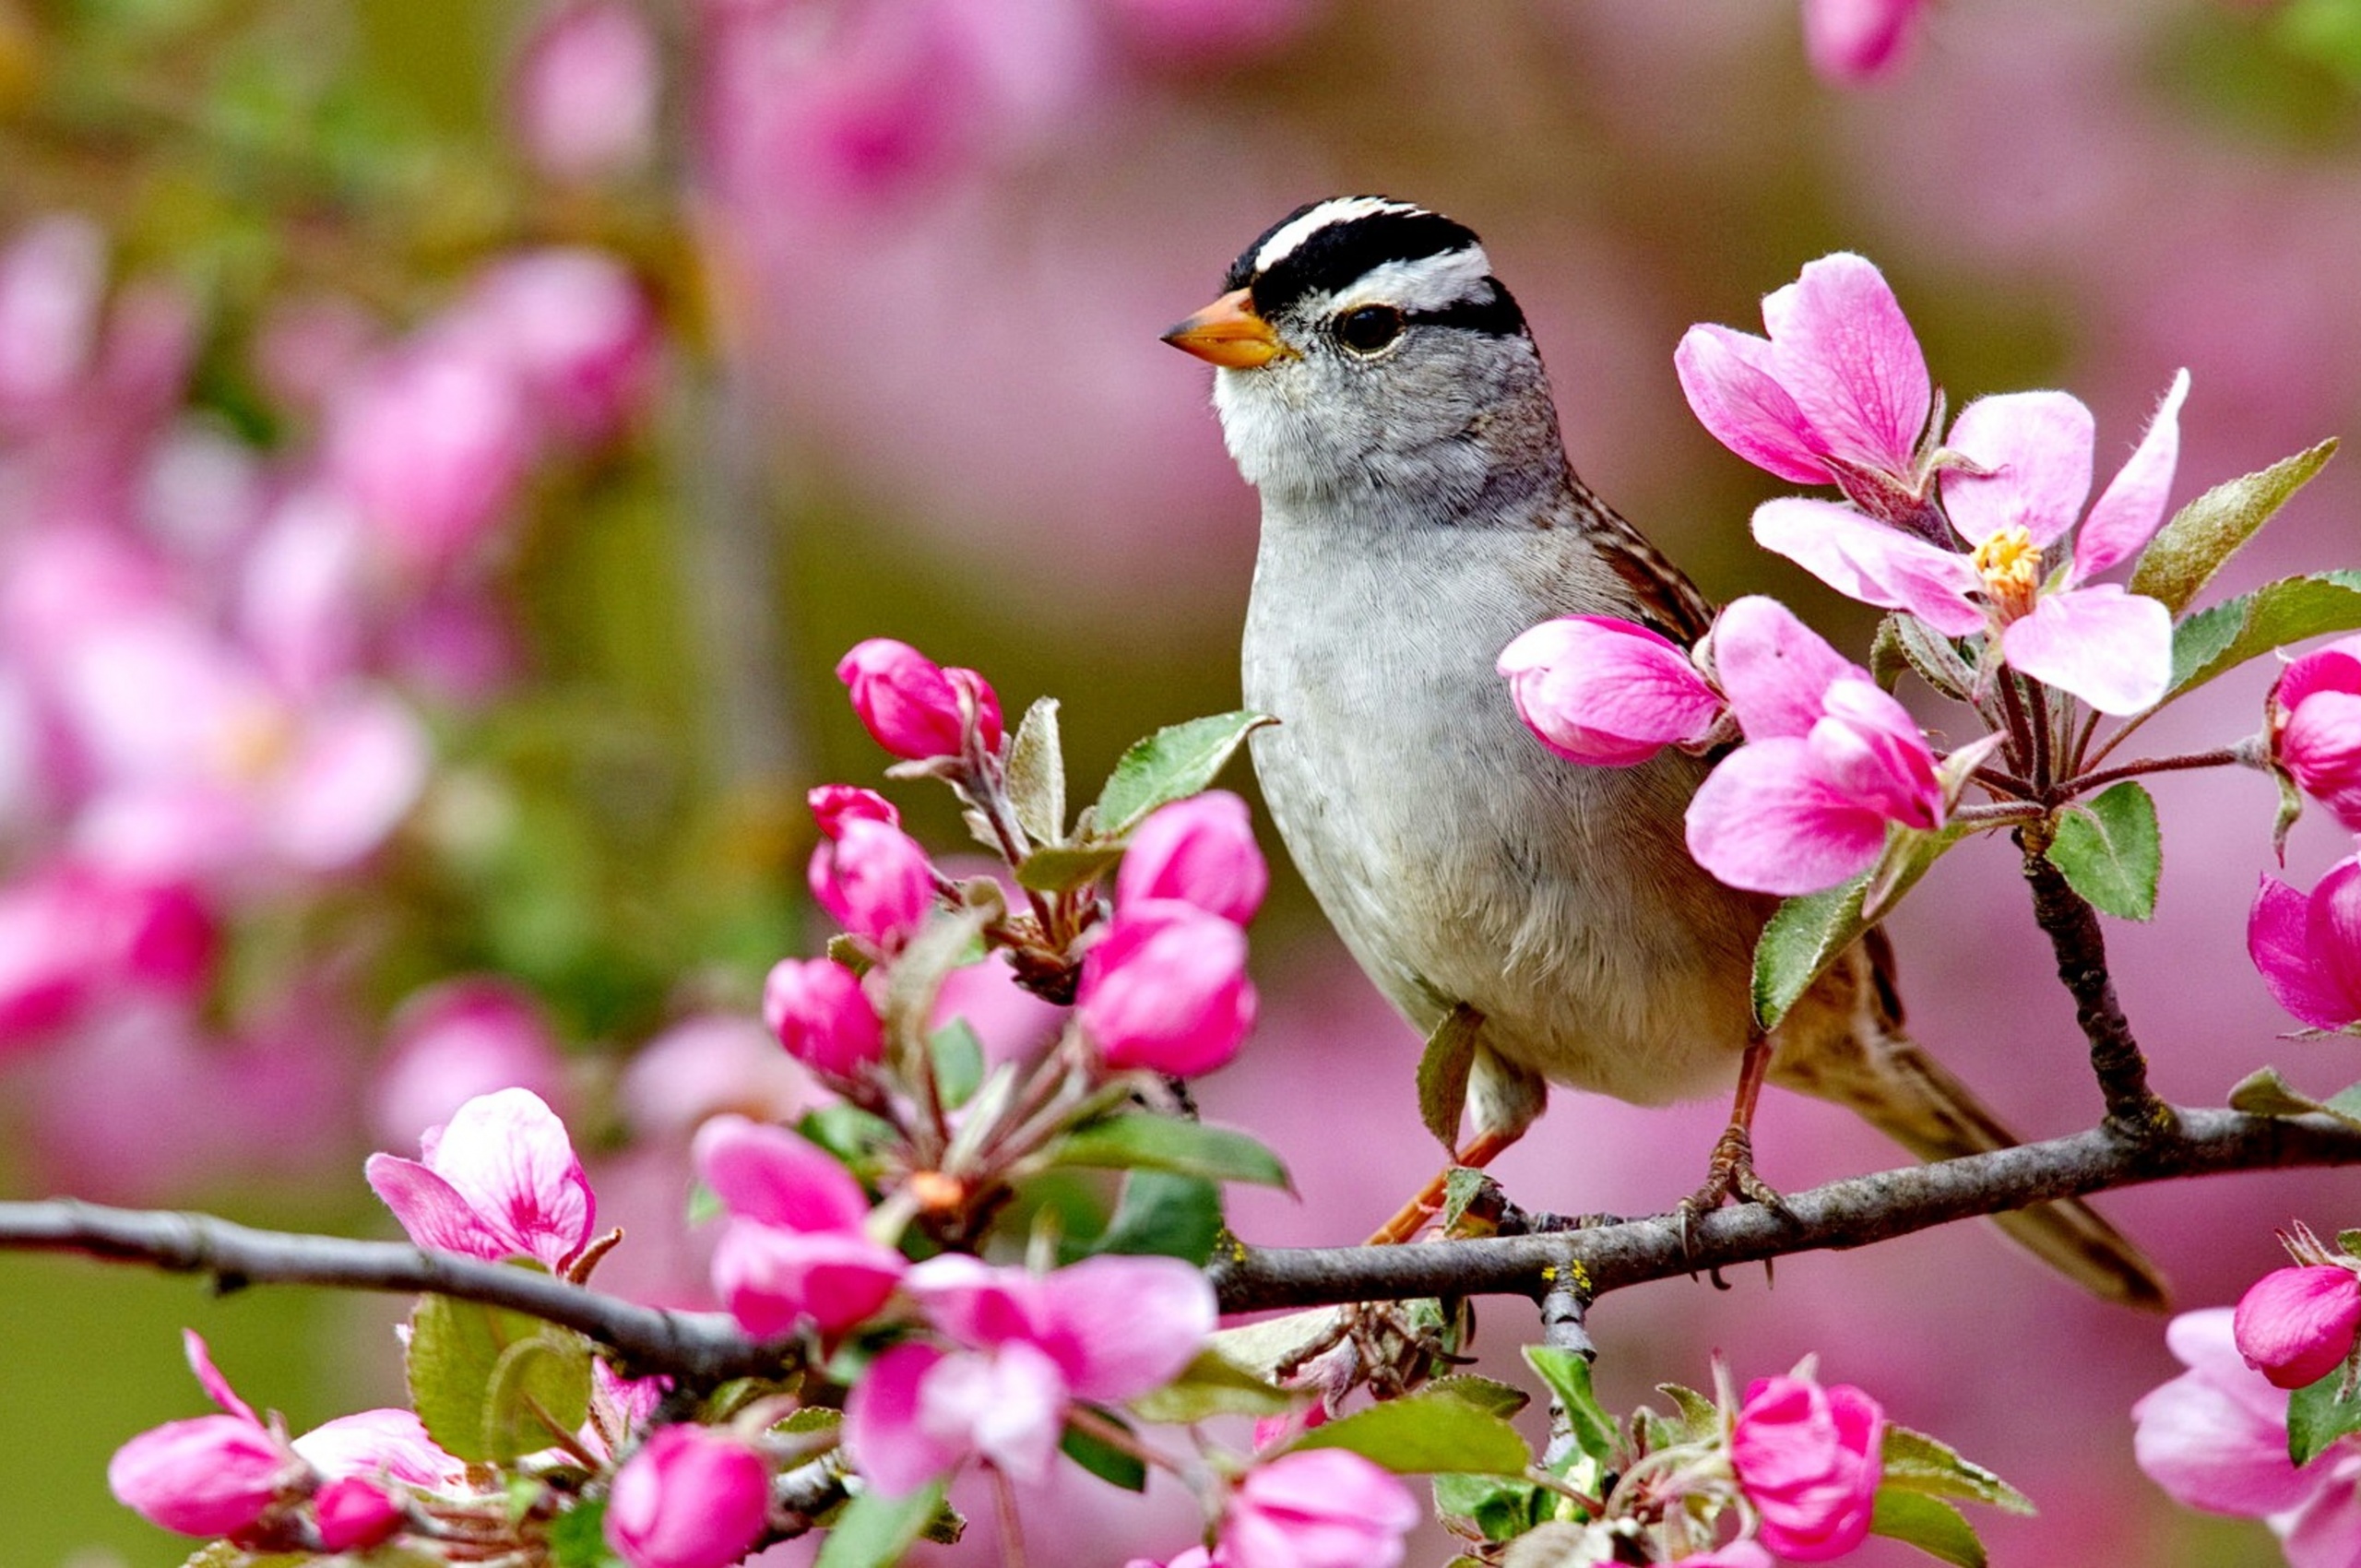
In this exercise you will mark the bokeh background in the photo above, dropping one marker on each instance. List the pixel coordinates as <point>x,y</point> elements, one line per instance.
<point>444,445</point>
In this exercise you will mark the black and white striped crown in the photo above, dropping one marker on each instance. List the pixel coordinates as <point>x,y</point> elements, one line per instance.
<point>1348,247</point>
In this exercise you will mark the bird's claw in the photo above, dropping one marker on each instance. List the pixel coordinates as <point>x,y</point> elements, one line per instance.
<point>1730,1174</point>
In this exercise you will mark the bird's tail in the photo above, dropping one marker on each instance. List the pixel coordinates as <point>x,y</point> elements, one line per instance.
<point>1871,1067</point>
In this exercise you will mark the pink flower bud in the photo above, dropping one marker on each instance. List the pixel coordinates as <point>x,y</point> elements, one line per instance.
<point>2294,1325</point>
<point>1809,1459</point>
<point>453,1041</point>
<point>1317,1508</point>
<point>819,1012</point>
<point>1201,851</point>
<point>1166,989</point>
<point>499,1180</point>
<point>2316,727</point>
<point>833,805</point>
<point>1607,693</point>
<point>2307,946</point>
<point>875,880</point>
<point>207,1475</point>
<point>355,1514</point>
<point>796,1249</point>
<point>585,90</point>
<point>691,1497</point>
<point>911,705</point>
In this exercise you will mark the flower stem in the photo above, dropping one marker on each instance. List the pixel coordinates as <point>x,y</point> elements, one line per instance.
<point>2224,757</point>
<point>2133,1110</point>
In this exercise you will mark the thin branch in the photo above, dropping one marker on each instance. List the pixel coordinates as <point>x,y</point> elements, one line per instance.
<point>1851,1213</point>
<point>2132,1108</point>
<point>2225,757</point>
<point>1563,1309</point>
<point>698,1347</point>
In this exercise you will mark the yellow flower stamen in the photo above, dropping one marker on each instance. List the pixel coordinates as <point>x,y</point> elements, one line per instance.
<point>2010,564</point>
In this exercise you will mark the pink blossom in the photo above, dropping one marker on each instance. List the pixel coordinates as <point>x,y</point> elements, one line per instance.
<point>796,1248</point>
<point>210,1475</point>
<point>833,805</point>
<point>1317,1508</point>
<point>2296,1325</point>
<point>691,1497</point>
<point>913,706</point>
<point>1607,692</point>
<point>2307,946</point>
<point>431,443</point>
<point>2030,454</point>
<point>1854,41</point>
<point>459,1040</point>
<point>1830,761</point>
<point>354,1515</point>
<point>820,1013</point>
<point>1166,989</point>
<point>1201,851</point>
<point>1107,1328</point>
<point>72,935</point>
<point>1808,1459</point>
<point>53,288</point>
<point>2316,727</point>
<point>585,90</point>
<point>499,1180</point>
<point>875,880</point>
<point>385,1446</point>
<point>1839,389</point>
<point>706,1063</point>
<point>574,329</point>
<point>2215,1438</point>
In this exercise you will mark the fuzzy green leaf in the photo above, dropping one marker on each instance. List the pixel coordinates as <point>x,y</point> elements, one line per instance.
<point>2264,1093</point>
<point>1444,1067</point>
<point>1501,1509</point>
<point>1163,1214</point>
<point>874,1530</point>
<point>2187,551</point>
<point>1700,1418</point>
<point>1061,868</point>
<point>1212,1385</point>
<point>1422,1434</point>
<point>1140,1141</point>
<point>1807,934</point>
<point>1109,1464</point>
<point>1171,764</point>
<point>2111,850</point>
<point>958,1061</point>
<point>2316,1416</point>
<point>1567,1373</point>
<point>1275,1346</point>
<point>2217,640</point>
<point>577,1538</point>
<point>1928,1523</point>
<point>1037,773</point>
<point>1484,1393</point>
<point>477,1373</point>
<point>1918,1462</point>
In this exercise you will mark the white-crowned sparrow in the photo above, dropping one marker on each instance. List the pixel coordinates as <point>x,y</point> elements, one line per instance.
<point>1379,388</point>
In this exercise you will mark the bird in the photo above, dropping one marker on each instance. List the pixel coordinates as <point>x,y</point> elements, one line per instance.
<point>1382,390</point>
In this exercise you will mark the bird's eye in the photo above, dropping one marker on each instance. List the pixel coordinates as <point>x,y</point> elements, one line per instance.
<point>1369,328</point>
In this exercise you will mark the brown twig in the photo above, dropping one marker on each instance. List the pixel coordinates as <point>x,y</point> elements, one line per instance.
<point>2134,1109</point>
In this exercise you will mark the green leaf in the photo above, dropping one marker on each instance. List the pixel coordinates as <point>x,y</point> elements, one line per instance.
<point>811,1419</point>
<point>1102,1459</point>
<point>1567,1373</point>
<point>874,1530</point>
<point>2111,850</point>
<point>1918,1462</point>
<point>1061,868</point>
<point>1420,1435</point>
<point>1212,1385</point>
<point>1462,1186</point>
<point>1700,1418</point>
<point>2349,1243</point>
<point>1444,1067</point>
<point>1037,773</point>
<point>1171,764</point>
<point>852,1134</point>
<point>1162,1215</point>
<point>958,1061</point>
<point>2264,1093</point>
<point>1501,1509</point>
<point>1142,1141</point>
<point>1484,1393</point>
<point>1276,1346</point>
<point>1808,934</point>
<point>1935,656</point>
<point>1928,1523</point>
<point>577,1538</point>
<point>2188,551</point>
<point>2344,1104</point>
<point>2215,641</point>
<point>949,940</point>
<point>845,950</point>
<point>477,1372</point>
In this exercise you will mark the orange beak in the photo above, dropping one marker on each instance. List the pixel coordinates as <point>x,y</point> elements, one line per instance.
<point>1228,333</point>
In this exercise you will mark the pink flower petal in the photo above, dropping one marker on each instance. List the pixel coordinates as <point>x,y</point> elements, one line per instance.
<point>385,1442</point>
<point>1607,693</point>
<point>1851,42</point>
<point>769,1174</point>
<point>2038,445</point>
<point>2132,507</point>
<point>2296,1325</point>
<point>2217,1437</point>
<point>2322,746</point>
<point>431,1209</point>
<point>360,769</point>
<point>772,1280</point>
<point>209,1376</point>
<point>2326,1531</point>
<point>2111,648</point>
<point>893,1452</point>
<point>1121,1326</point>
<point>1775,669</point>
<point>1008,1404</point>
<point>1872,563</point>
<point>1728,378</point>
<point>2279,940</point>
<point>1843,349</point>
<point>509,1155</point>
<point>2334,668</point>
<point>1765,821</point>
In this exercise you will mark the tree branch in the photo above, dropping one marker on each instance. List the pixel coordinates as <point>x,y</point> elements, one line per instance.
<point>1574,1266</point>
<point>2132,1108</point>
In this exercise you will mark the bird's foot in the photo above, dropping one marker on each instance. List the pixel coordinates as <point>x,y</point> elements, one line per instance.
<point>1729,1174</point>
<point>1420,1211</point>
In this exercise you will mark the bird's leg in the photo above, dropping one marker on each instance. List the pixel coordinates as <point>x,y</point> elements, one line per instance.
<point>1730,1173</point>
<point>1481,1150</point>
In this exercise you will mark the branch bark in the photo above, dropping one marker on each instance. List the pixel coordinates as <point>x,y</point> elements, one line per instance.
<point>706,1348</point>
<point>2132,1108</point>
